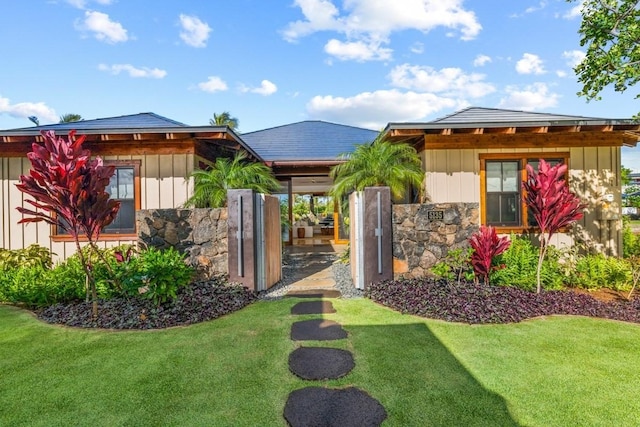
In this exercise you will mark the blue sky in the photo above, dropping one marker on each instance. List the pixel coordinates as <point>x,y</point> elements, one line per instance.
<point>358,62</point>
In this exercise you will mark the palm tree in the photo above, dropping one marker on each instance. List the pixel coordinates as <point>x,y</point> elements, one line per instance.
<point>224,119</point>
<point>69,118</point>
<point>210,186</point>
<point>377,164</point>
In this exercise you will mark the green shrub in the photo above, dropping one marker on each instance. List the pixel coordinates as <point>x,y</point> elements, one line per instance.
<point>630,240</point>
<point>32,255</point>
<point>455,266</point>
<point>33,286</point>
<point>599,271</point>
<point>163,273</point>
<point>520,264</point>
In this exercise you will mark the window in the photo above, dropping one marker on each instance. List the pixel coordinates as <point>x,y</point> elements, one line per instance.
<point>124,187</point>
<point>501,179</point>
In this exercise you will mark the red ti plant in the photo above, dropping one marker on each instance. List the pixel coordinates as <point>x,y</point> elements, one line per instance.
<point>552,204</point>
<point>486,244</point>
<point>68,188</point>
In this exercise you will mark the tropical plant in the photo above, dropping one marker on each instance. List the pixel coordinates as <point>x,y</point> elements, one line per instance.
<point>551,203</point>
<point>595,271</point>
<point>163,273</point>
<point>380,163</point>
<point>486,245</point>
<point>224,119</point>
<point>68,189</point>
<point>520,266</point>
<point>70,118</point>
<point>611,33</point>
<point>29,256</point>
<point>210,186</point>
<point>630,240</point>
<point>456,265</point>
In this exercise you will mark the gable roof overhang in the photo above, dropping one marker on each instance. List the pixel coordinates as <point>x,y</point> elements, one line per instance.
<point>492,128</point>
<point>147,140</point>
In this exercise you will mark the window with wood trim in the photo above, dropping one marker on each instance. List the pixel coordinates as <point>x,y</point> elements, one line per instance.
<point>124,187</point>
<point>501,177</point>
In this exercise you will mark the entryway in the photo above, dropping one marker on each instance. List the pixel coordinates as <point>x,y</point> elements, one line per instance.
<point>309,268</point>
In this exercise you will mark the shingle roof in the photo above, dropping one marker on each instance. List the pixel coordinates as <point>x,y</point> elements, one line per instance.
<point>495,115</point>
<point>308,140</point>
<point>132,121</point>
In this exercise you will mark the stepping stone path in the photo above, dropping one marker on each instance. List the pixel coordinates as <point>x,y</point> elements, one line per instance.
<point>318,363</point>
<point>321,406</point>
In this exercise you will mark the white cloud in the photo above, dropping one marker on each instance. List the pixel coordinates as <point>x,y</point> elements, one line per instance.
<point>417,48</point>
<point>533,97</point>
<point>481,60</point>
<point>194,32</point>
<point>374,110</point>
<point>266,88</point>
<point>359,51</point>
<point>213,84</point>
<point>573,57</point>
<point>561,73</point>
<point>371,22</point>
<point>23,110</point>
<point>530,9</point>
<point>530,64</point>
<point>103,28</point>
<point>574,12</point>
<point>82,4</point>
<point>448,81</point>
<point>152,73</point>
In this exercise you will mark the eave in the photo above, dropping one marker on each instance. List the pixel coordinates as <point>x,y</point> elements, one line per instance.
<point>504,135</point>
<point>146,140</point>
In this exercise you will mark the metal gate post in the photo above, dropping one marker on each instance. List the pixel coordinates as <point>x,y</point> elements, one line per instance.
<point>371,238</point>
<point>240,235</point>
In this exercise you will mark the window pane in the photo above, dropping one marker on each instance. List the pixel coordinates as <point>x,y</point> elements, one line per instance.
<point>125,183</point>
<point>125,219</point>
<point>510,209</point>
<point>509,176</point>
<point>493,208</point>
<point>494,177</point>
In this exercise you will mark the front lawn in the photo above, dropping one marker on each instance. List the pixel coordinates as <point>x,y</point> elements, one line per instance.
<point>232,371</point>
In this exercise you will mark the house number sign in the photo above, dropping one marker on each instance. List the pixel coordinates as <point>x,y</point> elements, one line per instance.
<point>435,215</point>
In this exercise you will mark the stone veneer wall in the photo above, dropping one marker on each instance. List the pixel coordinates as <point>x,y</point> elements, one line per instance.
<point>199,233</point>
<point>419,243</point>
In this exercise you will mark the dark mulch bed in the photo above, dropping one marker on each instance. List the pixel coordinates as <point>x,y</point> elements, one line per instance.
<point>320,363</point>
<point>318,406</point>
<point>195,303</point>
<point>317,330</point>
<point>313,307</point>
<point>480,303</point>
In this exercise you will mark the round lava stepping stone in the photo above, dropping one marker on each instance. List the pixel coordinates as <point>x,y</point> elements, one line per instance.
<point>319,406</point>
<point>313,307</point>
<point>317,329</point>
<point>314,293</point>
<point>318,363</point>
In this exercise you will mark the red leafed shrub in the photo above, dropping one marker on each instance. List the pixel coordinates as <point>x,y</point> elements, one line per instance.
<point>486,244</point>
<point>552,204</point>
<point>68,188</point>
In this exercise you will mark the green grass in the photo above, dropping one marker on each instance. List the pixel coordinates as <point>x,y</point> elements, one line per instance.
<point>232,371</point>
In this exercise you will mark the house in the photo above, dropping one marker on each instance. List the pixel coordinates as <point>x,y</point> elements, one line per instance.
<point>479,155</point>
<point>153,156</point>
<point>476,155</point>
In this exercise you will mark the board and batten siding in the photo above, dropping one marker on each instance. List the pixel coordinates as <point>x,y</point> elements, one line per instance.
<point>453,175</point>
<point>164,182</point>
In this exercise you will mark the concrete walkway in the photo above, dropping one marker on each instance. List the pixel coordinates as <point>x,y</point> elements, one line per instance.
<point>314,267</point>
